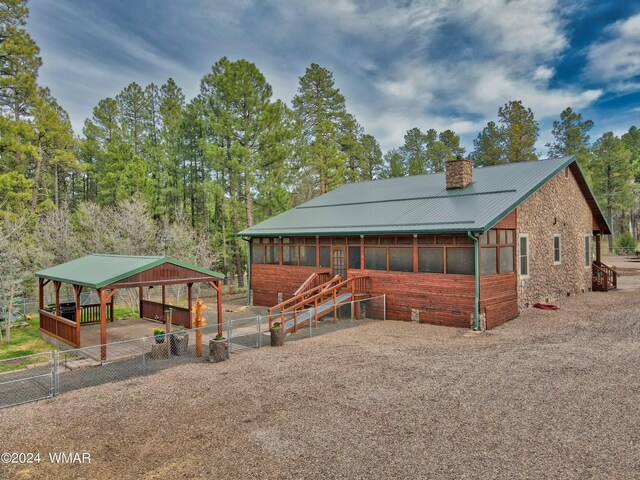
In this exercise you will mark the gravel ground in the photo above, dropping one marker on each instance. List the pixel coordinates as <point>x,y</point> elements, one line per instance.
<point>548,395</point>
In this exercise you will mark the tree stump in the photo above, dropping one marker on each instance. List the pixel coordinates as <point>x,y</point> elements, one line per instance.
<point>158,350</point>
<point>218,351</point>
<point>277,337</point>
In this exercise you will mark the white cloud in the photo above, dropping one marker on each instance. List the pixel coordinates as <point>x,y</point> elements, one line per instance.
<point>432,63</point>
<point>617,60</point>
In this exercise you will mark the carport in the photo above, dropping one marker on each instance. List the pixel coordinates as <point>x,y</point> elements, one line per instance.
<point>106,274</point>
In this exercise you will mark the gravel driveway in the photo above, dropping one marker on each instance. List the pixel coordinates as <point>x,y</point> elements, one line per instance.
<point>548,395</point>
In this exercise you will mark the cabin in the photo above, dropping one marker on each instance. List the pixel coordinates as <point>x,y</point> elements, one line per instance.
<point>466,247</point>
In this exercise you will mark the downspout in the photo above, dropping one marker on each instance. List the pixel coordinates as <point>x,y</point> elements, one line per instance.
<point>476,323</point>
<point>248,270</point>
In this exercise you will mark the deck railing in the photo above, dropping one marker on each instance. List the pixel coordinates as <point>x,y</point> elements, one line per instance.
<point>603,278</point>
<point>91,313</point>
<point>60,328</point>
<point>155,311</point>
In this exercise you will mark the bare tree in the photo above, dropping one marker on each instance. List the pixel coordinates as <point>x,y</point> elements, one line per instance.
<point>18,256</point>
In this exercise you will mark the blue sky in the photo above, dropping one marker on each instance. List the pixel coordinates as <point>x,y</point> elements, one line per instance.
<point>431,64</point>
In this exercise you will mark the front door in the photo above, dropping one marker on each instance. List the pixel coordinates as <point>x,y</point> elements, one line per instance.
<point>338,262</point>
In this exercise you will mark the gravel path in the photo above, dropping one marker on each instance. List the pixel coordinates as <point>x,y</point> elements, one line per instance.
<point>548,395</point>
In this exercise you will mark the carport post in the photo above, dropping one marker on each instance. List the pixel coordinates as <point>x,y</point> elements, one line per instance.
<point>219,307</point>
<point>77,289</point>
<point>102,295</point>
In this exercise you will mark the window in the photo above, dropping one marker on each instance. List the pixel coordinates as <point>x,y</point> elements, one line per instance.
<point>325,257</point>
<point>506,259</point>
<point>273,255</point>
<point>431,259</point>
<point>587,251</point>
<point>460,260</point>
<point>289,255</point>
<point>401,259</point>
<point>257,254</point>
<point>557,255</point>
<point>375,258</point>
<point>308,256</point>
<point>489,257</point>
<point>524,255</point>
<point>354,257</point>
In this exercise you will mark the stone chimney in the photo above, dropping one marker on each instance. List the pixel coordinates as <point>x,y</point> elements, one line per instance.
<point>459,173</point>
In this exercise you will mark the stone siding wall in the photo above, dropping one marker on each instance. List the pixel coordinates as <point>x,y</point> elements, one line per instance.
<point>559,207</point>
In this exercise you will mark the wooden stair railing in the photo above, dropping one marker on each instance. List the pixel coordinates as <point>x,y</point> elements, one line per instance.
<point>301,296</point>
<point>603,277</point>
<point>355,285</point>
<point>313,281</point>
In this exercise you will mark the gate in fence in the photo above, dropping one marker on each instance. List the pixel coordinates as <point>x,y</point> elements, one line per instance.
<point>28,378</point>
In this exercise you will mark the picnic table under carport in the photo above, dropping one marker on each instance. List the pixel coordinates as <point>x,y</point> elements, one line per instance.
<point>106,274</point>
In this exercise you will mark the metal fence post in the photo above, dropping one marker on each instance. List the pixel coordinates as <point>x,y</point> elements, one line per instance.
<point>144,355</point>
<point>229,334</point>
<point>384,306</point>
<point>259,339</point>
<point>56,374</point>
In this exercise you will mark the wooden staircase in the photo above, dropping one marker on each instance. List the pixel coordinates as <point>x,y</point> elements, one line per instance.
<point>312,302</point>
<point>603,278</point>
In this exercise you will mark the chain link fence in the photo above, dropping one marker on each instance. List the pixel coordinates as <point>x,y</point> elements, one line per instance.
<point>27,378</point>
<point>39,376</point>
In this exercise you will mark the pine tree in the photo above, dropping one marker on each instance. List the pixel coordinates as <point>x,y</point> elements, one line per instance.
<point>370,162</point>
<point>512,140</point>
<point>414,152</point>
<point>55,148</point>
<point>394,165</point>
<point>571,135</point>
<point>172,104</point>
<point>612,176</point>
<point>322,112</point>
<point>520,131</point>
<point>489,146</point>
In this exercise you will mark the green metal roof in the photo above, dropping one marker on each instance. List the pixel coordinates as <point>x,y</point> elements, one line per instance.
<point>422,204</point>
<point>97,271</point>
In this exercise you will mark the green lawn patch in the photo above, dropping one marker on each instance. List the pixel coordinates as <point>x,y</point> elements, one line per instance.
<point>24,341</point>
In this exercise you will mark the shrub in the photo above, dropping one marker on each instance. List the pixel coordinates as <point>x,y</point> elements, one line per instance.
<point>625,244</point>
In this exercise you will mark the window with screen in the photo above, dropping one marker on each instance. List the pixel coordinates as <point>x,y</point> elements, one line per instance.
<point>431,259</point>
<point>375,258</point>
<point>557,254</point>
<point>289,255</point>
<point>354,257</point>
<point>257,254</point>
<point>524,255</point>
<point>506,259</point>
<point>401,259</point>
<point>587,250</point>
<point>273,254</point>
<point>460,261</point>
<point>489,256</point>
<point>325,257</point>
<point>308,256</point>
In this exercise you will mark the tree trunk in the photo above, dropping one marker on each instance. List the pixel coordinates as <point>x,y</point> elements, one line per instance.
<point>9,313</point>
<point>247,198</point>
<point>36,178</point>
<point>56,188</point>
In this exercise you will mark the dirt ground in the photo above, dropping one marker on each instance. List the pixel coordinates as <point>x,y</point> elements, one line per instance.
<point>548,395</point>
